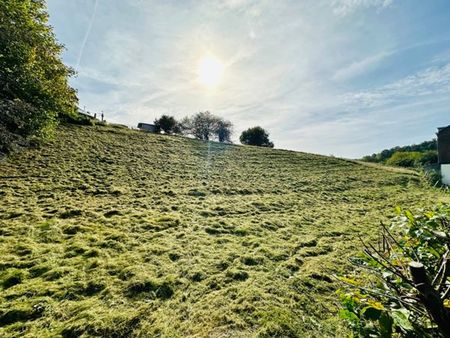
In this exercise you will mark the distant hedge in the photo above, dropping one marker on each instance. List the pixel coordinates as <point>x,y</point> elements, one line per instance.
<point>384,155</point>
<point>409,159</point>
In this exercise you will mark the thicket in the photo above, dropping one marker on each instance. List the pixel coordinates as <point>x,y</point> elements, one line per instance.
<point>34,89</point>
<point>384,155</point>
<point>403,287</point>
<point>410,159</point>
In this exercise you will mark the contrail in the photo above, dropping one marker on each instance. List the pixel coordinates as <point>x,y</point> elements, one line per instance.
<point>88,32</point>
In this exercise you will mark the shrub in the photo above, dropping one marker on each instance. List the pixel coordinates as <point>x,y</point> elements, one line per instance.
<point>167,124</point>
<point>256,136</point>
<point>407,159</point>
<point>428,157</point>
<point>404,287</point>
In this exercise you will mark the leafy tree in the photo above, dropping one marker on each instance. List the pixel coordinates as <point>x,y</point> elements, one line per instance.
<point>167,124</point>
<point>34,89</point>
<point>206,126</point>
<point>224,131</point>
<point>256,136</point>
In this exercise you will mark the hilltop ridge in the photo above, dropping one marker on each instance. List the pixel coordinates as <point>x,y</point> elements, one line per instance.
<point>113,232</point>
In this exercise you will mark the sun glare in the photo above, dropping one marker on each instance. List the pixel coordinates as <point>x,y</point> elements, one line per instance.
<point>210,71</point>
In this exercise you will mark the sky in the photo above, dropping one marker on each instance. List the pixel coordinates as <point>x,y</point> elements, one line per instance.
<point>335,77</point>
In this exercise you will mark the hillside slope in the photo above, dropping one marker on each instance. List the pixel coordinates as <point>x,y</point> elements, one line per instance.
<point>111,232</point>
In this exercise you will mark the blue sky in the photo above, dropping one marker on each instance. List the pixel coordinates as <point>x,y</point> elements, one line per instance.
<point>341,77</point>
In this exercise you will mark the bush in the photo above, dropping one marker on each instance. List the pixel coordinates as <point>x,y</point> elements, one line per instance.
<point>256,136</point>
<point>428,157</point>
<point>407,159</point>
<point>167,124</point>
<point>404,287</point>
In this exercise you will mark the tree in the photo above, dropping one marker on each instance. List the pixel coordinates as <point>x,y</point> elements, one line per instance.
<point>34,89</point>
<point>256,136</point>
<point>205,126</point>
<point>224,129</point>
<point>167,124</point>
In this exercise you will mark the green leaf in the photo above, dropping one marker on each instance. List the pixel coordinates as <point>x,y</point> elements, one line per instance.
<point>385,322</point>
<point>409,215</point>
<point>348,315</point>
<point>400,317</point>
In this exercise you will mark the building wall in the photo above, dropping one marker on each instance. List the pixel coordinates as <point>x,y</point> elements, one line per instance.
<point>147,127</point>
<point>444,146</point>
<point>445,172</point>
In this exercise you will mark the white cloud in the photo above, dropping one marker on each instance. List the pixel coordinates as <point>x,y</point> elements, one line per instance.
<point>431,81</point>
<point>359,67</point>
<point>346,7</point>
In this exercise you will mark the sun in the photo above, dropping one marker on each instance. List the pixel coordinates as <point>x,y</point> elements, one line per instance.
<point>210,71</point>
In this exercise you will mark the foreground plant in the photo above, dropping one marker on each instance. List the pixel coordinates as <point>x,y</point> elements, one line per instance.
<point>404,287</point>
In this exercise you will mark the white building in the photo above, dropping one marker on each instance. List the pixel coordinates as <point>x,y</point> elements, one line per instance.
<point>443,140</point>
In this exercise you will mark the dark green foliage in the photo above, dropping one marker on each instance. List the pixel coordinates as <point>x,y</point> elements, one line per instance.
<point>34,89</point>
<point>404,159</point>
<point>428,157</point>
<point>386,297</point>
<point>224,131</point>
<point>167,124</point>
<point>387,153</point>
<point>411,159</point>
<point>256,136</point>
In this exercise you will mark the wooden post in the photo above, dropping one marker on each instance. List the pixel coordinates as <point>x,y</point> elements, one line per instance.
<point>430,298</point>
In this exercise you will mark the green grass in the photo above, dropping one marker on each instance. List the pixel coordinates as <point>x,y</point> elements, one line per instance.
<point>110,232</point>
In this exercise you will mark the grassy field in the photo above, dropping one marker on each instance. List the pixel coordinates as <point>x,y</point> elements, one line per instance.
<point>110,232</point>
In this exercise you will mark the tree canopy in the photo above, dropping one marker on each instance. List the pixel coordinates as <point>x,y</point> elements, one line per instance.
<point>387,153</point>
<point>206,126</point>
<point>34,88</point>
<point>167,124</point>
<point>256,136</point>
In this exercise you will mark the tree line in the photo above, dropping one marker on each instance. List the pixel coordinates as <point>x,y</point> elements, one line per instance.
<point>207,126</point>
<point>415,155</point>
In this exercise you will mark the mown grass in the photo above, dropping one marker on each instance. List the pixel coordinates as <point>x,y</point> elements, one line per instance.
<point>114,233</point>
